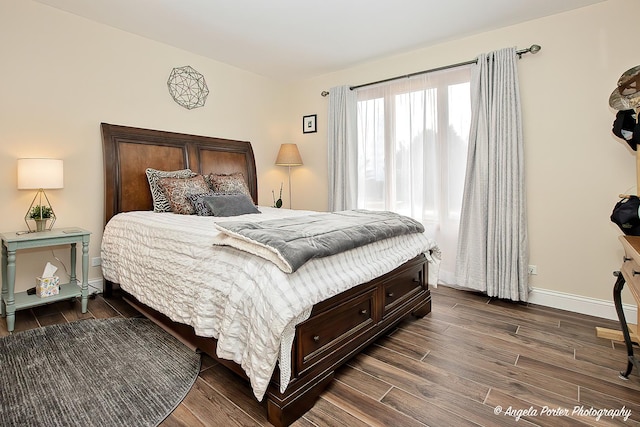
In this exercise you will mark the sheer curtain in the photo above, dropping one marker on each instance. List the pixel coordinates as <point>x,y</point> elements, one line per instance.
<point>493,246</point>
<point>412,138</point>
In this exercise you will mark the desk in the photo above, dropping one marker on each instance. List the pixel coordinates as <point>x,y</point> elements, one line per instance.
<point>629,273</point>
<point>13,242</point>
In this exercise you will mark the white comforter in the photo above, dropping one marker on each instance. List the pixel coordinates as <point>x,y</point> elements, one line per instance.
<point>169,262</point>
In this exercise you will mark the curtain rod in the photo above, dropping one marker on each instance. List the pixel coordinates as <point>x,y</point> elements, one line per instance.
<point>533,49</point>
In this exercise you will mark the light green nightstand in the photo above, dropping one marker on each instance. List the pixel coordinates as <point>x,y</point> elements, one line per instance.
<point>13,241</point>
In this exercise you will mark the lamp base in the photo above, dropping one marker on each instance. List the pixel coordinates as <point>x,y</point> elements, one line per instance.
<point>41,213</point>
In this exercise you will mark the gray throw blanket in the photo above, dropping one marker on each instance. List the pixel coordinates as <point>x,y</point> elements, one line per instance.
<point>290,242</point>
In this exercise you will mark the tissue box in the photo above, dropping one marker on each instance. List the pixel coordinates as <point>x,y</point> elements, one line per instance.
<point>47,286</point>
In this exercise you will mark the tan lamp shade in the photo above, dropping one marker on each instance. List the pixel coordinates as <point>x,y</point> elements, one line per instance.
<point>34,174</point>
<point>288,156</point>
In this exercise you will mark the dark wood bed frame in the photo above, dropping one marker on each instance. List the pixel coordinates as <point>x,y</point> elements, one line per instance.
<point>338,329</point>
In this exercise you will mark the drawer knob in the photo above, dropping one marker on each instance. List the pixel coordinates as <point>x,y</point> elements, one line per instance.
<point>363,311</point>
<point>625,259</point>
<point>390,294</point>
<point>316,338</point>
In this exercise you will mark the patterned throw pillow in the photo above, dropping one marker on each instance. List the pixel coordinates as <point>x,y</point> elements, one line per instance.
<point>177,191</point>
<point>233,183</point>
<point>160,202</point>
<point>199,206</point>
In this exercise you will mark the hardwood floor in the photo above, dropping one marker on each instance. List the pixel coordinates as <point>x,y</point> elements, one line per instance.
<point>472,361</point>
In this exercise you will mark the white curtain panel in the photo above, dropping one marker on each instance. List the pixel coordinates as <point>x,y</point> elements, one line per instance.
<point>342,149</point>
<point>493,243</point>
<point>412,147</point>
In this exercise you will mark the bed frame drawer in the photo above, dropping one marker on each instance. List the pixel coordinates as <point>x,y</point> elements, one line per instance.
<point>400,289</point>
<point>321,335</point>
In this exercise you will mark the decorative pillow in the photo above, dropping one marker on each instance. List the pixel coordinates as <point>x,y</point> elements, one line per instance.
<point>160,202</point>
<point>178,189</point>
<point>199,206</point>
<point>230,204</point>
<point>233,183</point>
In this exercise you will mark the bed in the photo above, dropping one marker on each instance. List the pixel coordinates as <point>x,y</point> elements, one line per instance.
<point>325,336</point>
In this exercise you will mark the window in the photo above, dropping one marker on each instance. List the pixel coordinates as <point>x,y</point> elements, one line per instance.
<point>412,150</point>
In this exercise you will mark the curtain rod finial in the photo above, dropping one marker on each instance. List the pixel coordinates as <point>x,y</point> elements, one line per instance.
<point>324,93</point>
<point>535,48</point>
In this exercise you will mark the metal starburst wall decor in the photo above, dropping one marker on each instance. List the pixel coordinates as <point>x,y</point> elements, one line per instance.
<point>187,87</point>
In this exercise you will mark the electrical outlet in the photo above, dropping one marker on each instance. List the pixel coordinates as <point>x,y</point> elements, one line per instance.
<point>533,270</point>
<point>96,262</point>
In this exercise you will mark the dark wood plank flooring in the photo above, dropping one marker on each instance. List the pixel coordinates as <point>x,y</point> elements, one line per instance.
<point>457,366</point>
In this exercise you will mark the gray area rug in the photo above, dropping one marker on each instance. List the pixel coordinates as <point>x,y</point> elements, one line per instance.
<point>112,372</point>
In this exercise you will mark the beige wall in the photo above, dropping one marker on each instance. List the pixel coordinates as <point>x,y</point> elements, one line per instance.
<point>62,75</point>
<point>575,167</point>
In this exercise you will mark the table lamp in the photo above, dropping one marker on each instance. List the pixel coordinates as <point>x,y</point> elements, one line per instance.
<point>40,174</point>
<point>289,156</point>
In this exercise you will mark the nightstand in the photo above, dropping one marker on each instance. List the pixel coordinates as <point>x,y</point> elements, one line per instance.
<point>14,241</point>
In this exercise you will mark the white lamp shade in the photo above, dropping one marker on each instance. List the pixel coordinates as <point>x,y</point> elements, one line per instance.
<point>40,173</point>
<point>288,156</point>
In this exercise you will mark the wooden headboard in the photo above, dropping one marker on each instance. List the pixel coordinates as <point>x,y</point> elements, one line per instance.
<point>129,151</point>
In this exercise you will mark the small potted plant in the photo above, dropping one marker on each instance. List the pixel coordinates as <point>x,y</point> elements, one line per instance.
<point>277,203</point>
<point>40,214</point>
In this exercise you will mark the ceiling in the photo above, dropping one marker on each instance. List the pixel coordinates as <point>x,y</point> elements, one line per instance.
<point>297,39</point>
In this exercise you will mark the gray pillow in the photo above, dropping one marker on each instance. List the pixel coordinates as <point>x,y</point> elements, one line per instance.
<point>199,206</point>
<point>230,204</point>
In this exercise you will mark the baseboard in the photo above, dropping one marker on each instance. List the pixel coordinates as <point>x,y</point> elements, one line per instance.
<point>579,304</point>
<point>96,286</point>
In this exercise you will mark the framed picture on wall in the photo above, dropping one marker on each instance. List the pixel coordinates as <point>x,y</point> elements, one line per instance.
<point>309,124</point>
